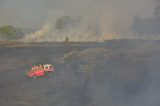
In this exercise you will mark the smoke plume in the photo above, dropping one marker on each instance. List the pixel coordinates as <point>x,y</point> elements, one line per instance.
<point>107,19</point>
<point>38,35</point>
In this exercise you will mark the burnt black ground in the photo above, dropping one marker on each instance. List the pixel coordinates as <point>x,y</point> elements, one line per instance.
<point>105,85</point>
<point>16,89</point>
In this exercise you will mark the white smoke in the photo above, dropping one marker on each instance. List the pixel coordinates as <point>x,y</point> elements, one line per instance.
<point>121,13</point>
<point>101,30</point>
<point>39,35</point>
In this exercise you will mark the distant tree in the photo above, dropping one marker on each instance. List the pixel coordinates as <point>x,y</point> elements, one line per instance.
<point>9,32</point>
<point>157,11</point>
<point>62,22</point>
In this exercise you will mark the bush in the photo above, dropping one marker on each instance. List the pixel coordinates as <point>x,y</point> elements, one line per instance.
<point>9,32</point>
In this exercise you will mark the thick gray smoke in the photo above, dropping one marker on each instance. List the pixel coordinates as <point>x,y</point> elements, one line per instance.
<point>113,19</point>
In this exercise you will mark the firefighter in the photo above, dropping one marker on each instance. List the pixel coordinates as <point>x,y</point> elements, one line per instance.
<point>66,39</point>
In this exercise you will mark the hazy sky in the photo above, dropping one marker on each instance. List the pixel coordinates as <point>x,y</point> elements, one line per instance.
<point>33,13</point>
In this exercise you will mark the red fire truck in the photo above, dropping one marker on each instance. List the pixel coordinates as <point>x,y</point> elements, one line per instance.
<point>40,70</point>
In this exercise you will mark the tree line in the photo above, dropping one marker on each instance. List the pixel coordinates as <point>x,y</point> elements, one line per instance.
<point>9,32</point>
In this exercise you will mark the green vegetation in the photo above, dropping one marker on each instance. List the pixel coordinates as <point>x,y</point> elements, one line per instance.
<point>9,32</point>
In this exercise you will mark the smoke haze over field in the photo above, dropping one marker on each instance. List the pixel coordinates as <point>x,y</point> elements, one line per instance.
<point>112,18</point>
<point>114,73</point>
